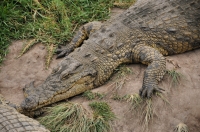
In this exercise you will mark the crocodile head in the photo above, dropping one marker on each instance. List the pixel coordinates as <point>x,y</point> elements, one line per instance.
<point>68,79</point>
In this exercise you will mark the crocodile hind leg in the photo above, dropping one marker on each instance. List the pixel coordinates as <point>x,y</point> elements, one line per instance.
<point>155,71</point>
<point>81,35</point>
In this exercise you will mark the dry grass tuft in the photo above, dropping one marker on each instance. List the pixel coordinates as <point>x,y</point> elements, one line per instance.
<point>144,107</point>
<point>66,117</point>
<point>92,95</point>
<point>72,117</point>
<point>175,77</point>
<point>50,53</point>
<point>135,100</point>
<point>27,46</point>
<point>123,3</point>
<point>102,116</point>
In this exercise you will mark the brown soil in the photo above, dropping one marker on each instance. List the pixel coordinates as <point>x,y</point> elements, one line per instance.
<point>184,98</point>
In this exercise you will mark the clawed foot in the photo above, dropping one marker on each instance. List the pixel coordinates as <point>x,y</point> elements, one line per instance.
<point>62,52</point>
<point>147,91</point>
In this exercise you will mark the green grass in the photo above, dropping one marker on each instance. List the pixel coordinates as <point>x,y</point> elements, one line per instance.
<point>102,116</point>
<point>117,97</point>
<point>47,21</point>
<point>92,95</point>
<point>72,117</point>
<point>123,71</point>
<point>175,77</point>
<point>102,109</point>
<point>66,117</point>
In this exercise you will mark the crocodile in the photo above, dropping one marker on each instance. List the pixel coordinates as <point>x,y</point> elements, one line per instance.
<point>13,121</point>
<point>145,33</point>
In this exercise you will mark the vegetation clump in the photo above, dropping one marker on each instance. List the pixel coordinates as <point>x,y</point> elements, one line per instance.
<point>142,106</point>
<point>175,77</point>
<point>72,117</point>
<point>102,116</point>
<point>51,22</point>
<point>92,95</point>
<point>66,117</point>
<point>46,21</point>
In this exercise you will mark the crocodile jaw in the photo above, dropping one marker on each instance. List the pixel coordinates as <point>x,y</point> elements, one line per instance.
<point>70,78</point>
<point>34,102</point>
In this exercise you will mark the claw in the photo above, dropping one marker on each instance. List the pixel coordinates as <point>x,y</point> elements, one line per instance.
<point>148,91</point>
<point>62,52</point>
<point>58,51</point>
<point>144,93</point>
<point>160,89</point>
<point>140,92</point>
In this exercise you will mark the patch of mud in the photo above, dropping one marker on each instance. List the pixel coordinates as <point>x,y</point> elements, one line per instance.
<point>16,73</point>
<point>184,99</point>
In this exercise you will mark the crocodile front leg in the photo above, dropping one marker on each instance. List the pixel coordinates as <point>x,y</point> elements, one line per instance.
<point>81,35</point>
<point>155,71</point>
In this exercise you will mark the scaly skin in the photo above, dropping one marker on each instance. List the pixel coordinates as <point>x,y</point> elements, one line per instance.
<point>13,121</point>
<point>145,33</point>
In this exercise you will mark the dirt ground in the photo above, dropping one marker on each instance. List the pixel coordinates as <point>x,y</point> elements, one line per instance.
<point>184,98</point>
